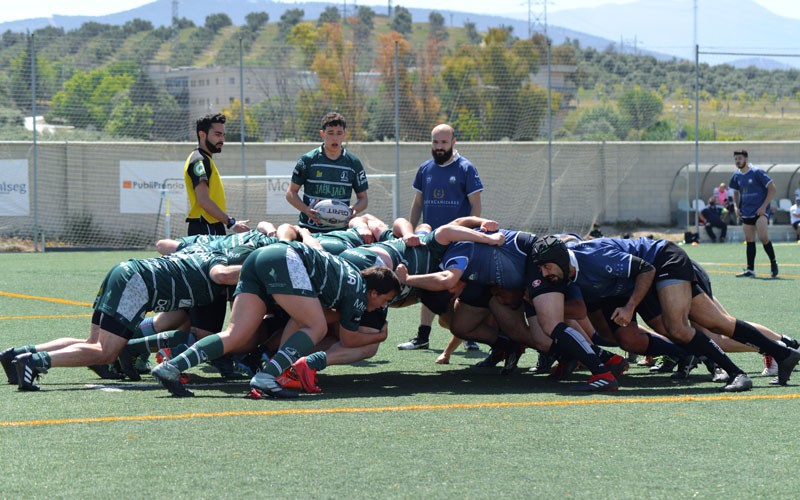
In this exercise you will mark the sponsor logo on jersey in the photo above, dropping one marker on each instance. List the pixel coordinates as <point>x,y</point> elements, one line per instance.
<point>199,169</point>
<point>319,174</point>
<point>452,179</point>
<point>536,283</point>
<point>184,303</point>
<point>438,194</point>
<point>343,177</point>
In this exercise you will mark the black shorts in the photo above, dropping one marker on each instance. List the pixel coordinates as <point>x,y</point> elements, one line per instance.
<point>672,263</point>
<point>751,221</point>
<point>202,226</point>
<point>795,224</point>
<point>111,325</point>
<point>436,302</point>
<point>210,317</point>
<point>476,295</point>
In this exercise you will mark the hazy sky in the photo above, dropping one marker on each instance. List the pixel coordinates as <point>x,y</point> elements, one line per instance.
<point>14,9</point>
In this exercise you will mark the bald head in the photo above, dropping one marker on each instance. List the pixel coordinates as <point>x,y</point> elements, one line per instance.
<point>442,142</point>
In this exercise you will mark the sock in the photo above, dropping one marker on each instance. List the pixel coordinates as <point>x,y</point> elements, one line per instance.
<point>146,326</point>
<point>572,344</point>
<point>502,345</point>
<point>769,251</point>
<point>602,353</point>
<point>153,343</point>
<point>22,350</point>
<point>701,345</point>
<point>658,346</point>
<point>790,342</point>
<point>748,334</point>
<point>295,347</point>
<point>751,255</point>
<point>42,361</point>
<point>203,350</point>
<point>317,360</point>
<point>424,332</point>
<point>598,340</point>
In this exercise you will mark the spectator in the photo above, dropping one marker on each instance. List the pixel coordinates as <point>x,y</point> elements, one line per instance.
<point>724,196</point>
<point>595,232</point>
<point>712,216</point>
<point>794,213</point>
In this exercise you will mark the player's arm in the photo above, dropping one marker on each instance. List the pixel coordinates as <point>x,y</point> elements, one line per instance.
<point>167,246</point>
<point>201,192</point>
<point>472,221</point>
<point>442,280</point>
<point>450,233</point>
<point>225,275</point>
<point>645,274</point>
<point>416,209</point>
<point>475,203</point>
<point>361,337</point>
<point>771,190</point>
<point>293,197</point>
<point>362,200</point>
<point>308,239</point>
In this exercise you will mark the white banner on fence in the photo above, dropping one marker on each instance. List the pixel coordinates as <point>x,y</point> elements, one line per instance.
<point>143,183</point>
<point>276,188</point>
<point>14,190</point>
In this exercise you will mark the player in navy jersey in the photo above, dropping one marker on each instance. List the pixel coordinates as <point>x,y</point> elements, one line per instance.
<point>753,192</point>
<point>130,290</point>
<point>614,267</point>
<point>475,273</point>
<point>447,187</point>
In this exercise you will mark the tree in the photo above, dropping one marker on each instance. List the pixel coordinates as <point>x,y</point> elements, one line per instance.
<point>473,36</point>
<point>288,20</point>
<point>412,126</point>
<point>215,22</point>
<point>363,24</point>
<point>136,25</point>
<point>255,20</point>
<point>436,27</point>
<point>21,78</point>
<point>233,125</point>
<point>329,15</point>
<point>305,37</point>
<point>402,21</point>
<point>641,108</point>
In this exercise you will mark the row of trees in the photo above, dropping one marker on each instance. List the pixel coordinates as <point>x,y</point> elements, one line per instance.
<point>96,78</point>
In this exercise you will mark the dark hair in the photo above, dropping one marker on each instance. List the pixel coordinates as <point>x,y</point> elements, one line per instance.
<point>742,152</point>
<point>204,123</point>
<point>381,279</point>
<point>333,119</point>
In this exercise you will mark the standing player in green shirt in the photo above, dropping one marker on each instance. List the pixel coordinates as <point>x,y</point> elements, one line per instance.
<point>328,172</point>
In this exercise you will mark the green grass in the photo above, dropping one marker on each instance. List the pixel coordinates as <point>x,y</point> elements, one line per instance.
<point>398,425</point>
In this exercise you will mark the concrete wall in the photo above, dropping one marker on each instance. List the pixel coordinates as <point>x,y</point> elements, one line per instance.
<point>607,182</point>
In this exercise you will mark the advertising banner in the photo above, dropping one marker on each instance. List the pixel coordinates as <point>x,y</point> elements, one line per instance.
<point>14,188</point>
<point>144,186</point>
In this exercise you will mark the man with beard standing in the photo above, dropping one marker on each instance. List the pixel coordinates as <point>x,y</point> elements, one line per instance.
<point>447,187</point>
<point>207,215</point>
<point>207,212</point>
<point>753,192</point>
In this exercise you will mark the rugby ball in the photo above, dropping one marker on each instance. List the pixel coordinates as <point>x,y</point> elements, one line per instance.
<point>333,212</point>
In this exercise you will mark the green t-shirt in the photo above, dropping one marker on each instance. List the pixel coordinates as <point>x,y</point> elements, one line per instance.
<point>323,178</point>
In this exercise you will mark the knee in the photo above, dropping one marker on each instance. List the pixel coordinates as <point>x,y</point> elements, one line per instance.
<point>681,334</point>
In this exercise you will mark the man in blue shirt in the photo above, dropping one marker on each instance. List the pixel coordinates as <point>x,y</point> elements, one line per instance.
<point>447,187</point>
<point>753,192</point>
<point>613,267</point>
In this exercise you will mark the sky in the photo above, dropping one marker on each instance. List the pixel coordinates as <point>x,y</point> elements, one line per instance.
<point>12,10</point>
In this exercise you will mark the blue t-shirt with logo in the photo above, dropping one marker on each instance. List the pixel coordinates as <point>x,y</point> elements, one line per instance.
<point>446,189</point>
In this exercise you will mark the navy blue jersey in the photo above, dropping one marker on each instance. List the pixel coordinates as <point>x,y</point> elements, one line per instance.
<point>446,189</point>
<point>603,266</point>
<point>752,187</point>
<point>501,266</point>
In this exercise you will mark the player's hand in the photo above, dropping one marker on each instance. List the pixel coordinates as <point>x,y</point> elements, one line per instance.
<point>490,226</point>
<point>761,211</point>
<point>365,232</point>
<point>402,273</point>
<point>622,316</point>
<point>412,240</point>
<point>241,226</point>
<point>314,216</point>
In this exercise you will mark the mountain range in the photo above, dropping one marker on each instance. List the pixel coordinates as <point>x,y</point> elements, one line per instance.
<point>745,32</point>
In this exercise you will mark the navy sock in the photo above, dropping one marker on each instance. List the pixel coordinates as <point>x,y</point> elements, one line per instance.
<point>658,346</point>
<point>751,255</point>
<point>573,345</point>
<point>769,251</point>
<point>598,340</point>
<point>748,334</point>
<point>701,345</point>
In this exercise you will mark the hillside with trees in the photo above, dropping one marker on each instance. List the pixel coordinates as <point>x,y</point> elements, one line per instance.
<point>98,83</point>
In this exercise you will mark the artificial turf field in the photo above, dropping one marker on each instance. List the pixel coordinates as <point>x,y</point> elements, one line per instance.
<point>397,425</point>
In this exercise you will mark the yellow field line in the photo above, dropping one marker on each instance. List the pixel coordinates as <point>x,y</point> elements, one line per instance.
<point>56,316</point>
<point>45,299</point>
<point>382,409</point>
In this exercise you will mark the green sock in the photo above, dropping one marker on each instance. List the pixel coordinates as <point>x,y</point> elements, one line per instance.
<point>42,361</point>
<point>295,347</point>
<point>22,350</point>
<point>317,360</point>
<point>152,343</point>
<point>203,350</point>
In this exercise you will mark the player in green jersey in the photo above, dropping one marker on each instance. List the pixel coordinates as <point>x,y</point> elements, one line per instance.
<point>129,291</point>
<point>301,281</point>
<point>328,172</point>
